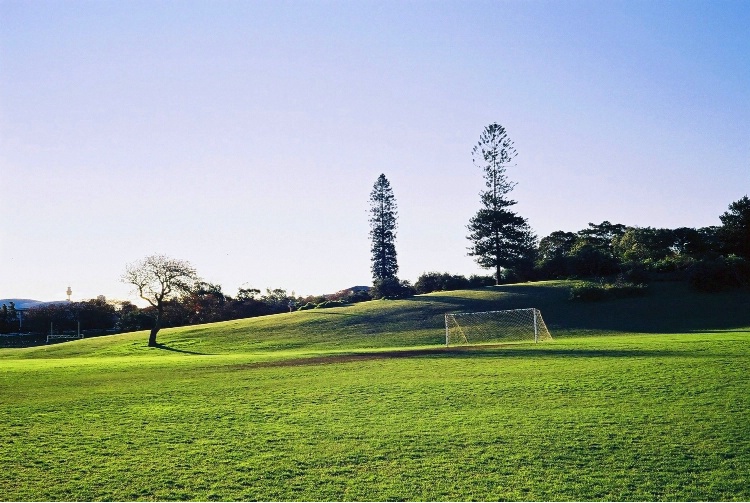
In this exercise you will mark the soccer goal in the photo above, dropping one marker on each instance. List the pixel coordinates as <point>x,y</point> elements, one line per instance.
<point>514,325</point>
<point>53,336</point>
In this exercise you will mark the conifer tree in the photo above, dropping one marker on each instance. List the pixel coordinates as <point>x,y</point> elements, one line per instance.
<point>383,214</point>
<point>500,238</point>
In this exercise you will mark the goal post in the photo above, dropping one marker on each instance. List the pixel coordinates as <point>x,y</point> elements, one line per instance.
<point>486,327</point>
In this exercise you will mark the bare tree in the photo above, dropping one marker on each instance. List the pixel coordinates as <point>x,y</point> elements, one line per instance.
<point>157,279</point>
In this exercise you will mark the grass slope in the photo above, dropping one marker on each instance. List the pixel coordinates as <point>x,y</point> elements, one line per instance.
<point>661,415</point>
<point>419,321</point>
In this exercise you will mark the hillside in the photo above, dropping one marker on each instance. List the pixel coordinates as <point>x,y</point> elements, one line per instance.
<point>419,321</point>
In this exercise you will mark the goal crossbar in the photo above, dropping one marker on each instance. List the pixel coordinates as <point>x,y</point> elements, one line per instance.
<point>485,327</point>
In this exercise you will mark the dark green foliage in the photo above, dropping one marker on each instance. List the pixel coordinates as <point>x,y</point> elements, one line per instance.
<point>720,274</point>
<point>589,252</point>
<point>383,215</point>
<point>438,282</point>
<point>641,244</point>
<point>643,253</point>
<point>477,281</point>
<point>735,230</point>
<point>391,288</point>
<point>500,239</point>
<point>354,296</point>
<point>95,315</point>
<point>593,291</point>
<point>588,260</point>
<point>10,320</point>
<point>130,318</point>
<point>602,236</point>
<point>553,257</point>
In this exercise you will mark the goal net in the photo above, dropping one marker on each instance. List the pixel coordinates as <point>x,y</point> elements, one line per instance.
<point>488,327</point>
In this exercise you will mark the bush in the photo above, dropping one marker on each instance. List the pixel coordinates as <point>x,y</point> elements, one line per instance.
<point>589,291</point>
<point>391,288</point>
<point>439,282</point>
<point>476,281</point>
<point>720,274</point>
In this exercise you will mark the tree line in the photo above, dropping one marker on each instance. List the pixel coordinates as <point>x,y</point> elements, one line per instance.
<point>201,303</point>
<point>711,258</point>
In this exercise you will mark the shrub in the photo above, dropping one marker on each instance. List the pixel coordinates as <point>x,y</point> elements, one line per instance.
<point>438,282</point>
<point>477,281</point>
<point>391,288</point>
<point>589,291</point>
<point>720,274</point>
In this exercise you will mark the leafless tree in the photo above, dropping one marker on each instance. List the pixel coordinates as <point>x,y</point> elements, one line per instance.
<point>157,279</point>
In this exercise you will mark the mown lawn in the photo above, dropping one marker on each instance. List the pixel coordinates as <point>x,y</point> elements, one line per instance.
<point>636,417</point>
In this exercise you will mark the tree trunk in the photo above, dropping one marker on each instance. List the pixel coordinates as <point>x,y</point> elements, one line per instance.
<point>154,331</point>
<point>498,268</point>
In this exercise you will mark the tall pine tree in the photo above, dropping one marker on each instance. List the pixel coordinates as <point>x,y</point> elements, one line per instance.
<point>500,238</point>
<point>383,213</point>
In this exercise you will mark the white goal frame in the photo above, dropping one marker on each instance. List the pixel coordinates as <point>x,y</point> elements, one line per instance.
<point>53,336</point>
<point>518,325</point>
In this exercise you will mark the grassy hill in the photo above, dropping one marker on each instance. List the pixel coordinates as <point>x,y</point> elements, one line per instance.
<point>636,399</point>
<point>419,321</point>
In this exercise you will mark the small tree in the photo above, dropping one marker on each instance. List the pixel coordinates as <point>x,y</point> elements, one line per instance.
<point>735,230</point>
<point>500,238</point>
<point>383,214</point>
<point>158,279</point>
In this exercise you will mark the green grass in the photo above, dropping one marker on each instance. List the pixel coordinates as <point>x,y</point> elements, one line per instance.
<point>247,410</point>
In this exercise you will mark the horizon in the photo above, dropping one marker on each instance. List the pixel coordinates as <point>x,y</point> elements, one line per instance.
<point>245,137</point>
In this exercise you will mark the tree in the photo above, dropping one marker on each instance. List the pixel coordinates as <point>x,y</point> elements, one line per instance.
<point>205,303</point>
<point>383,214</point>
<point>602,236</point>
<point>554,254</point>
<point>735,230</point>
<point>157,280</point>
<point>645,245</point>
<point>500,238</point>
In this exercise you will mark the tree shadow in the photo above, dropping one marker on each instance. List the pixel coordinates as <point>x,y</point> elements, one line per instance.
<point>184,351</point>
<point>551,352</point>
<point>669,307</point>
<point>508,351</point>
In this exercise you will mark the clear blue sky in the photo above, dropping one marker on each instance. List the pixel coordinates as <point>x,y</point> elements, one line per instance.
<point>245,137</point>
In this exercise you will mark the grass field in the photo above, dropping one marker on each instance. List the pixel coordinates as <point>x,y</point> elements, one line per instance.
<point>636,399</point>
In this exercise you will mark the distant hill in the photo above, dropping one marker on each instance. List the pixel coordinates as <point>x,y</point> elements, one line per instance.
<point>27,303</point>
<point>20,303</point>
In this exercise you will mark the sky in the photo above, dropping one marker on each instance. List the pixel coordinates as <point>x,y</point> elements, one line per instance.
<point>245,136</point>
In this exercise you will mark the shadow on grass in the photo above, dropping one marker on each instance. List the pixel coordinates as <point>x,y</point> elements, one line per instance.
<point>326,312</point>
<point>666,308</point>
<point>505,351</point>
<point>184,351</point>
